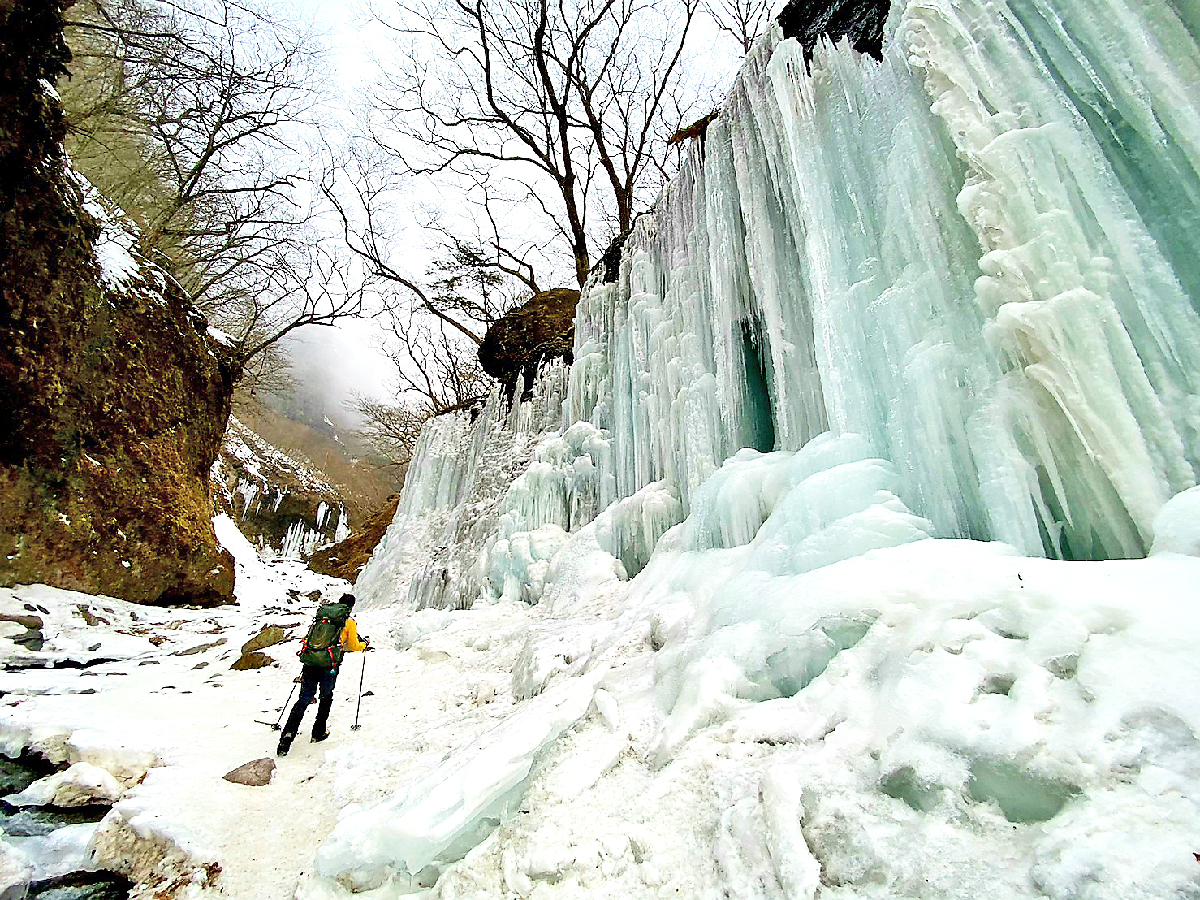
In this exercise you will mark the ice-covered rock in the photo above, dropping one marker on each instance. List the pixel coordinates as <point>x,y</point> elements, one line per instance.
<point>432,553</point>
<point>61,852</point>
<point>1046,403</point>
<point>438,817</point>
<point>124,760</point>
<point>896,333</point>
<point>16,872</point>
<point>80,785</point>
<point>281,500</point>
<point>139,842</point>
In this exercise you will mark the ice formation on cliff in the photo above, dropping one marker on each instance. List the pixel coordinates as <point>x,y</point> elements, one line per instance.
<point>882,309</point>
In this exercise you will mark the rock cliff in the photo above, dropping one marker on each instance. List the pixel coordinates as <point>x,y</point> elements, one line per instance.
<point>859,21</point>
<point>346,559</point>
<point>116,395</point>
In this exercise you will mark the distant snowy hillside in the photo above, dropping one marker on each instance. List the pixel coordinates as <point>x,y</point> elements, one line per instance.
<point>284,505</point>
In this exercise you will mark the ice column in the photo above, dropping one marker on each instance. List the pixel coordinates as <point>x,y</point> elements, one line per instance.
<point>433,553</point>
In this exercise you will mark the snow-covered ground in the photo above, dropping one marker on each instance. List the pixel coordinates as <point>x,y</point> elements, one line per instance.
<point>952,720</point>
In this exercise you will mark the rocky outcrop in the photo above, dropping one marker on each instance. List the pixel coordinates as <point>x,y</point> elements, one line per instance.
<point>280,503</point>
<point>533,334</point>
<point>255,659</point>
<point>347,558</point>
<point>861,21</point>
<point>115,395</point>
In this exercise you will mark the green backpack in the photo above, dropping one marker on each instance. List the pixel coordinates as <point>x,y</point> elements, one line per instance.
<point>322,645</point>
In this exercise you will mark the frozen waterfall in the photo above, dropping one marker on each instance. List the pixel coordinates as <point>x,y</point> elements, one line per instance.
<point>953,295</point>
<point>957,254</point>
<point>980,256</point>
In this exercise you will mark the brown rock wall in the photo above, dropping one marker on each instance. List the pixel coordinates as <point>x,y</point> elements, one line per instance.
<point>540,330</point>
<point>115,397</point>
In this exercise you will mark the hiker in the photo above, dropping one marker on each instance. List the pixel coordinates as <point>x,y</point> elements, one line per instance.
<point>332,633</point>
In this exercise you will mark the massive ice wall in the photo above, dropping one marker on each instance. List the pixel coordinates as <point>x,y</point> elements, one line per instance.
<point>980,255</point>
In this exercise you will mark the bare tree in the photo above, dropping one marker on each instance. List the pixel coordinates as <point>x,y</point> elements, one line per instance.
<point>437,372</point>
<point>390,429</point>
<point>564,101</point>
<point>189,114</point>
<point>743,20</point>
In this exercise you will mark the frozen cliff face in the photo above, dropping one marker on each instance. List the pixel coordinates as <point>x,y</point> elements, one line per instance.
<point>963,254</point>
<point>461,471</point>
<point>884,307</point>
<point>281,502</point>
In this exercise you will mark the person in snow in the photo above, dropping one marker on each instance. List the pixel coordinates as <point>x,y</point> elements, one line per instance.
<point>332,633</point>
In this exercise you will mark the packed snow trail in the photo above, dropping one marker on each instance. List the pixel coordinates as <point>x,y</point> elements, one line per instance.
<point>198,718</point>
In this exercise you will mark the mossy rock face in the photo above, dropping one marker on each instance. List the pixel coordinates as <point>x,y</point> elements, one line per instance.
<point>346,559</point>
<point>115,397</point>
<point>533,334</point>
<point>268,636</point>
<point>254,659</point>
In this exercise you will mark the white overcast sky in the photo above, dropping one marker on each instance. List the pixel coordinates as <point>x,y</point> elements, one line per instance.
<point>345,359</point>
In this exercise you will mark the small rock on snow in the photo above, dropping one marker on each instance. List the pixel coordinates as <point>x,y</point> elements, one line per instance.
<point>255,773</point>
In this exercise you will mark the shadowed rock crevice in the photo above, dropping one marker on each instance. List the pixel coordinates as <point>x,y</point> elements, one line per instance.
<point>861,21</point>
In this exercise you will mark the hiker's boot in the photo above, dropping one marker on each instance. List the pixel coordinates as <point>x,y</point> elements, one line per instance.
<point>285,743</point>
<point>320,736</point>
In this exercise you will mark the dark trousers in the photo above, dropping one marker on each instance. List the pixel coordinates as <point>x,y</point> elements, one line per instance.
<point>312,679</point>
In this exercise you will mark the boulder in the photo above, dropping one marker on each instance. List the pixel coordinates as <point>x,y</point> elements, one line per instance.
<point>115,395</point>
<point>528,337</point>
<point>255,659</point>
<point>267,637</point>
<point>83,784</point>
<point>255,773</point>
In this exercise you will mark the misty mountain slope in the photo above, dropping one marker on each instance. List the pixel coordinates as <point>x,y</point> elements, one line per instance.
<point>359,478</point>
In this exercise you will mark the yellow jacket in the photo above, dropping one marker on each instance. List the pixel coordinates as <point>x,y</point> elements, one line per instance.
<point>349,639</point>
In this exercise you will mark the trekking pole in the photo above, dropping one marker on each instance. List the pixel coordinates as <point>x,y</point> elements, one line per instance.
<point>286,704</point>
<point>361,676</point>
